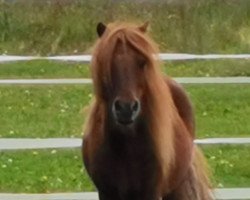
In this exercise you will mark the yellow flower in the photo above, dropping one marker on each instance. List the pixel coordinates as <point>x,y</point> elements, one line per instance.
<point>44,178</point>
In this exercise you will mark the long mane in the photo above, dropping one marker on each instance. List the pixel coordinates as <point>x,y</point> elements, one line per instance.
<point>159,104</point>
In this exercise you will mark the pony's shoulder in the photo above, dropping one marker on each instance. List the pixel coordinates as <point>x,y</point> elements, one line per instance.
<point>182,103</point>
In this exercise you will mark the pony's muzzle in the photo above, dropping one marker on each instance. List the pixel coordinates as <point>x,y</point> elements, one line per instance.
<point>126,112</point>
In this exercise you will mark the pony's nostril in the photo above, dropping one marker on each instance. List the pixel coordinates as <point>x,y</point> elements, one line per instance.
<point>135,106</point>
<point>118,106</point>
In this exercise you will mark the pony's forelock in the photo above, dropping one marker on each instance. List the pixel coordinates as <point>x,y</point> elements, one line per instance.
<point>105,50</point>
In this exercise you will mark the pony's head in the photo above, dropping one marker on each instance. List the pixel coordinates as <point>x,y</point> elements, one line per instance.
<point>123,66</point>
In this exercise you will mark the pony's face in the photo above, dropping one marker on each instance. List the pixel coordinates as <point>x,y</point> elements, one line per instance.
<point>124,89</point>
<point>127,77</point>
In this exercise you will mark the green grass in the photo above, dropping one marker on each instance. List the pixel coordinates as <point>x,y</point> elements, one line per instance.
<point>221,110</point>
<point>229,165</point>
<point>60,111</point>
<point>47,111</point>
<point>52,69</point>
<point>62,170</point>
<point>56,27</point>
<point>207,68</point>
<point>43,69</point>
<point>43,171</point>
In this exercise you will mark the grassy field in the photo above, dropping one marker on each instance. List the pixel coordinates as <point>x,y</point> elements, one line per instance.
<point>196,68</point>
<point>53,171</point>
<point>34,27</point>
<point>62,171</point>
<point>43,69</point>
<point>59,111</point>
<point>68,26</point>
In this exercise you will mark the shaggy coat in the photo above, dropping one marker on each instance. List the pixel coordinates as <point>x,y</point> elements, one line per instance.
<point>154,157</point>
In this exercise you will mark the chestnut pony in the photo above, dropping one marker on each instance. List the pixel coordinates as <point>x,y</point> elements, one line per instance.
<point>138,144</point>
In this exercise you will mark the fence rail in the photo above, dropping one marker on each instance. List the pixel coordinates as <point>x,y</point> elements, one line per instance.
<point>162,56</point>
<point>220,194</point>
<point>28,143</point>
<point>183,80</point>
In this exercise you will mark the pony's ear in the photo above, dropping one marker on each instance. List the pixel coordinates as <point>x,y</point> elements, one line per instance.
<point>143,28</point>
<point>100,29</point>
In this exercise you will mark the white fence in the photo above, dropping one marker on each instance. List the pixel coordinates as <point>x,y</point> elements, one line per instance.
<point>31,143</point>
<point>162,56</point>
<point>13,144</point>
<point>183,80</point>
<point>220,194</point>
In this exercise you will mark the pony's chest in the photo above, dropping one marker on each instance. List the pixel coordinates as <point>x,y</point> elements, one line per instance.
<point>126,167</point>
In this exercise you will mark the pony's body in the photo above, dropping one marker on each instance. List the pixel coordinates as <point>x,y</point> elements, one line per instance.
<point>150,154</point>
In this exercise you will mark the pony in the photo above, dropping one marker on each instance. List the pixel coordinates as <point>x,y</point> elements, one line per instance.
<point>138,143</point>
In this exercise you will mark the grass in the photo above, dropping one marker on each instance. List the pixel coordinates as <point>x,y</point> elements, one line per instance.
<point>221,110</point>
<point>229,165</point>
<point>56,27</point>
<point>59,111</point>
<point>54,111</point>
<point>53,171</point>
<point>62,171</point>
<point>207,68</point>
<point>52,69</point>
<point>43,69</point>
